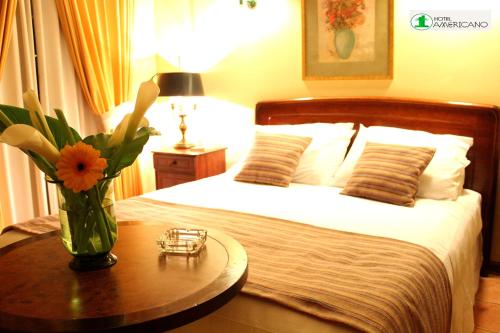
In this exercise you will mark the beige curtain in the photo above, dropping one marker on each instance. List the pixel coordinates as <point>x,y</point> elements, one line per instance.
<point>99,36</point>
<point>23,192</point>
<point>58,84</point>
<point>7,11</point>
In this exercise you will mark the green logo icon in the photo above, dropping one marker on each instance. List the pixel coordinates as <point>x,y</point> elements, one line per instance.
<point>421,21</point>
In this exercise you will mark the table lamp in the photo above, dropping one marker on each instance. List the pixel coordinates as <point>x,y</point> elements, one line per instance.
<point>180,84</point>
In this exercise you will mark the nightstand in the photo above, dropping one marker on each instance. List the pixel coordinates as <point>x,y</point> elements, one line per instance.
<point>177,166</point>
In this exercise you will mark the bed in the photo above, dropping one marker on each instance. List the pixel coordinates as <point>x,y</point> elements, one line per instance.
<point>458,232</point>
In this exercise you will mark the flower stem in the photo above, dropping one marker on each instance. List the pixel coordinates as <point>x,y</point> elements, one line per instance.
<point>70,217</point>
<point>105,218</point>
<point>5,120</point>
<point>84,237</point>
<point>101,217</point>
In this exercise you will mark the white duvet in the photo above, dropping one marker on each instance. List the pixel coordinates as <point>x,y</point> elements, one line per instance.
<point>450,229</point>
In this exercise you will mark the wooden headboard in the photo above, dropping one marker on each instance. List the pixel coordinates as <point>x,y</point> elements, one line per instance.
<point>477,121</point>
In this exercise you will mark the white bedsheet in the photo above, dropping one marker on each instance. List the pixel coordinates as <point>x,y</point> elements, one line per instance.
<point>450,229</point>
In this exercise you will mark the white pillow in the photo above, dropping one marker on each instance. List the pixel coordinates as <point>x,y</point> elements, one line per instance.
<point>324,155</point>
<point>444,176</point>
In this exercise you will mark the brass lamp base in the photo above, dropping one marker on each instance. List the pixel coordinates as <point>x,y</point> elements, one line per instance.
<point>183,145</point>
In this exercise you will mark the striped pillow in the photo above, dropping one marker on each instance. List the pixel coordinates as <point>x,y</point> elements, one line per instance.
<point>389,173</point>
<point>273,159</point>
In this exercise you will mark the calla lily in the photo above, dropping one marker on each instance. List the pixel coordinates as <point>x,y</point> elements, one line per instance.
<point>148,91</point>
<point>37,116</point>
<point>120,130</point>
<point>28,138</point>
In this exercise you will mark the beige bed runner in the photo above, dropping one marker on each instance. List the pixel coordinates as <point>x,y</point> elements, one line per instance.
<point>372,284</point>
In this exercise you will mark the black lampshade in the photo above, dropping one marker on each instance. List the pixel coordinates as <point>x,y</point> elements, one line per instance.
<point>180,84</point>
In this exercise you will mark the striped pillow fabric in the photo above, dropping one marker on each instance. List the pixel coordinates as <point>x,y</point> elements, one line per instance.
<point>273,159</point>
<point>389,173</point>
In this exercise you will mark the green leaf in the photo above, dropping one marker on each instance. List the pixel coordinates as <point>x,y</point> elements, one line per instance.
<point>126,153</point>
<point>4,120</point>
<point>16,115</point>
<point>43,164</point>
<point>21,116</point>
<point>100,142</point>
<point>133,148</point>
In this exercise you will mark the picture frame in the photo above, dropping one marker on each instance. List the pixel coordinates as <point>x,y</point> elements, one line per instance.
<point>347,39</point>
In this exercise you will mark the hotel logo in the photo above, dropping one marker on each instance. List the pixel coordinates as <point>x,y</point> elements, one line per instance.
<point>443,20</point>
<point>421,21</point>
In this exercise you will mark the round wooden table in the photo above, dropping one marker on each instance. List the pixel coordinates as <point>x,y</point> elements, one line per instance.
<point>143,292</point>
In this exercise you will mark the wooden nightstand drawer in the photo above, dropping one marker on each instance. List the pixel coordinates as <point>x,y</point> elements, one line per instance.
<point>167,181</point>
<point>174,164</point>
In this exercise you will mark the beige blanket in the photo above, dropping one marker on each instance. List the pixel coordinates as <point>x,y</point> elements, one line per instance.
<point>371,283</point>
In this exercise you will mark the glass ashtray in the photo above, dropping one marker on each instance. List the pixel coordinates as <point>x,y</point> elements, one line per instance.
<point>182,241</point>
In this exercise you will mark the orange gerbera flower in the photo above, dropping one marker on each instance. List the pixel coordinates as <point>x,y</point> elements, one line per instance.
<point>80,166</point>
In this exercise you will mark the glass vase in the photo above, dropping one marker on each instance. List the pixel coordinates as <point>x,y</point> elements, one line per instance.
<point>88,225</point>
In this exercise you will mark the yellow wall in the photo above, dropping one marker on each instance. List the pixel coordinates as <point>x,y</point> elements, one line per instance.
<point>250,55</point>
<point>263,54</point>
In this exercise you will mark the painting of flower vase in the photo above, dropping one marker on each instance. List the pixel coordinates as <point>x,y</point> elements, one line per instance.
<point>347,39</point>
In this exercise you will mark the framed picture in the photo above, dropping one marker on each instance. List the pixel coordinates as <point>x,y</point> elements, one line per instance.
<point>347,39</point>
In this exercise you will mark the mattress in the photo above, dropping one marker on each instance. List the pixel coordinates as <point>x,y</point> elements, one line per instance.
<point>450,229</point>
